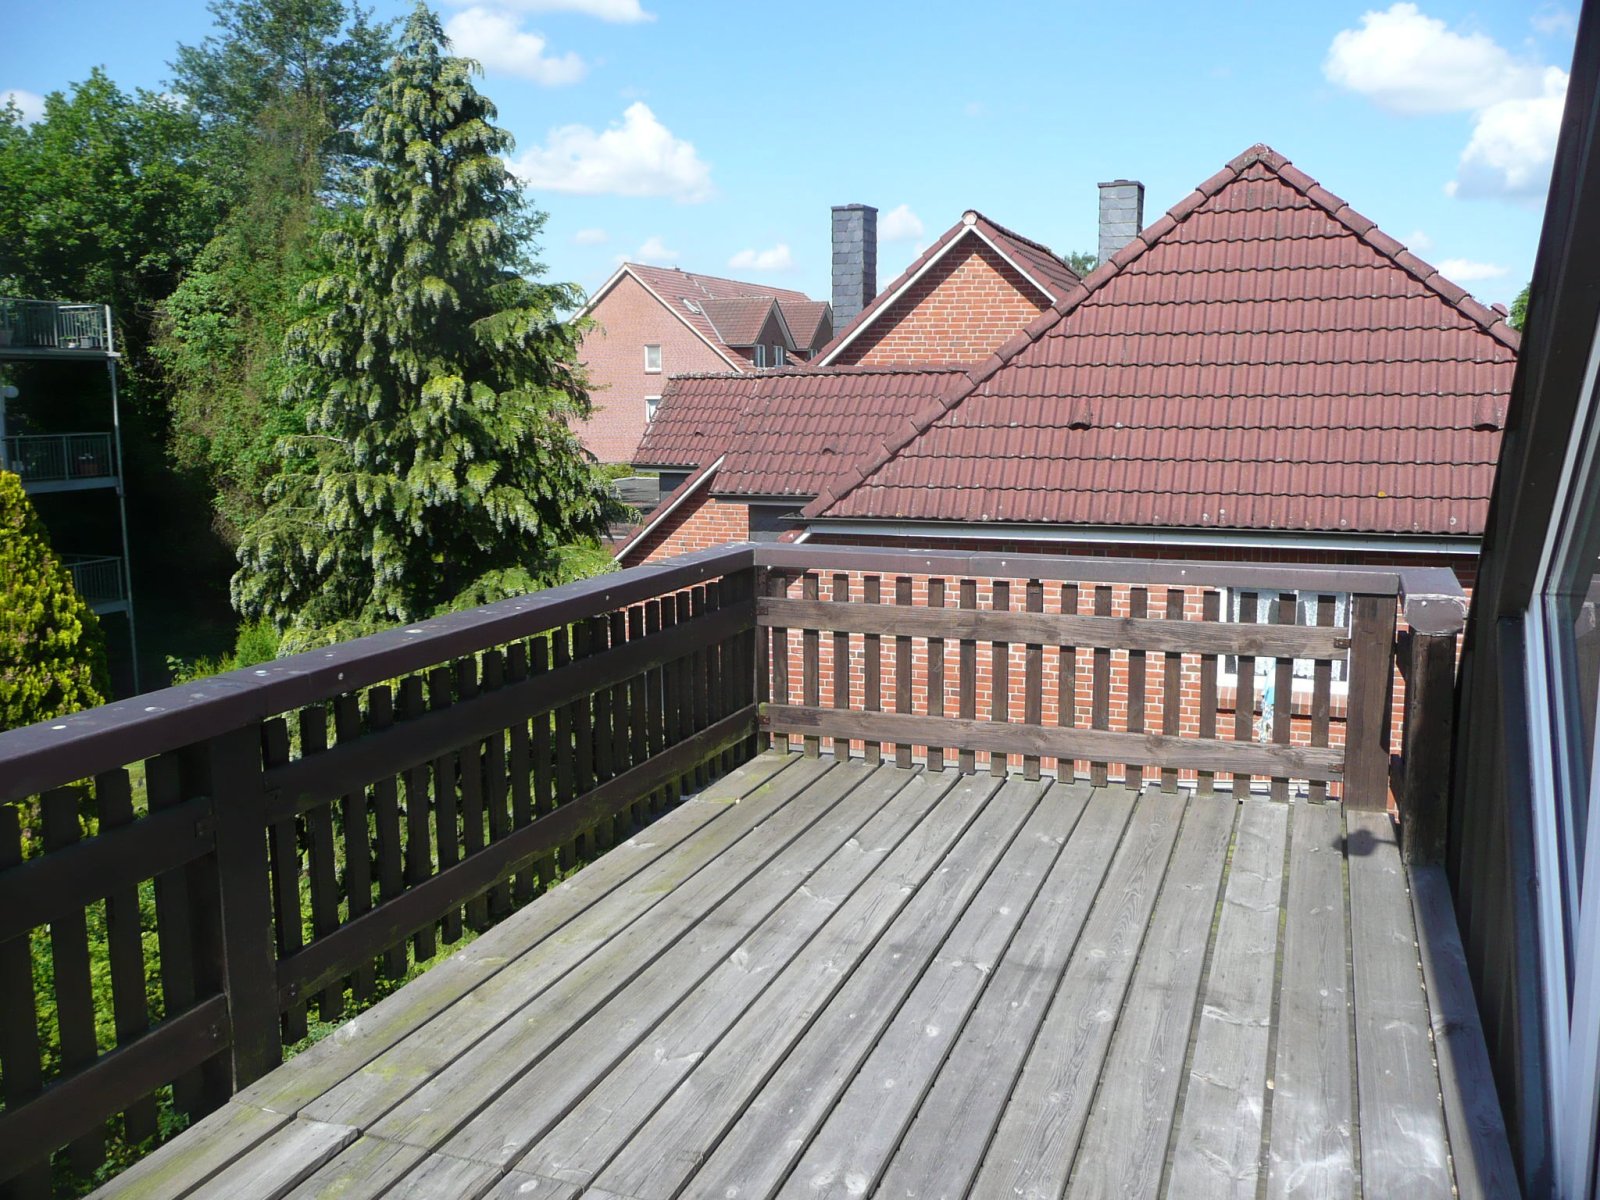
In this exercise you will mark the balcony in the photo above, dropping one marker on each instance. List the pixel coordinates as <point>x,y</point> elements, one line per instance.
<point>100,581</point>
<point>53,329</point>
<point>796,869</point>
<point>61,462</point>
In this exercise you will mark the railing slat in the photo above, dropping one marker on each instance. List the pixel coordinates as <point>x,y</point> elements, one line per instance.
<point>1244,691</point>
<point>1372,624</point>
<point>967,702</point>
<point>1172,689</point>
<point>21,1073</point>
<point>902,670</point>
<point>521,766</point>
<point>841,659</point>
<point>1321,697</point>
<point>418,787</point>
<point>125,947</point>
<point>1283,691</point>
<point>1100,702</point>
<point>999,672</point>
<point>174,920</point>
<point>810,673</point>
<point>872,667</point>
<point>1138,609</point>
<point>322,855</point>
<point>1067,679</point>
<point>1210,611</point>
<point>936,684</point>
<point>1033,678</point>
<point>778,585</point>
<point>496,784</point>
<point>283,841</point>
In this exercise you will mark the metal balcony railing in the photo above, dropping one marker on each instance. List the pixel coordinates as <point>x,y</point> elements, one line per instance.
<point>62,458</point>
<point>54,325</point>
<point>98,579</point>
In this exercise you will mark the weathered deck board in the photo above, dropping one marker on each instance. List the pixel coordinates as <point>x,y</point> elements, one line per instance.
<point>823,927</point>
<point>1124,1146</point>
<point>1034,1147</point>
<point>943,1148</point>
<point>1217,1152</point>
<point>1310,1152</point>
<point>827,978</point>
<point>1403,1150</point>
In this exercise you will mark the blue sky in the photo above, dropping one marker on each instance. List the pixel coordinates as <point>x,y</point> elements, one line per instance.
<point>715,135</point>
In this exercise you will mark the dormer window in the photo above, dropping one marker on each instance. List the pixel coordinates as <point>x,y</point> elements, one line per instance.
<point>759,355</point>
<point>652,360</point>
<point>779,357</point>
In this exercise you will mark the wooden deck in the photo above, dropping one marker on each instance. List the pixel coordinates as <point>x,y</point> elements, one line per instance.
<point>823,978</point>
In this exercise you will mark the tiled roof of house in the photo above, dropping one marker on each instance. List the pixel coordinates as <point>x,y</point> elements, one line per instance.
<point>782,433</point>
<point>1261,357</point>
<point>1049,272</point>
<point>739,319</point>
<point>687,293</point>
<point>805,319</point>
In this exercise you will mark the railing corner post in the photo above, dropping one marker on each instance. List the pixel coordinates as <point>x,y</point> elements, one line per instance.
<point>234,950</point>
<point>1366,773</point>
<point>1429,720</point>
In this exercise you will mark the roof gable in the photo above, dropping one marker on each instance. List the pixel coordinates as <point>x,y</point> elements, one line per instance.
<point>1036,263</point>
<point>1262,356</point>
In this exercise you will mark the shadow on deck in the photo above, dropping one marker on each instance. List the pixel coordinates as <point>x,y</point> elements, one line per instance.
<point>827,978</point>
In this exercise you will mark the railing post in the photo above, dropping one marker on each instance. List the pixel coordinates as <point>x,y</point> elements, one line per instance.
<point>1430,718</point>
<point>1366,754</point>
<point>232,906</point>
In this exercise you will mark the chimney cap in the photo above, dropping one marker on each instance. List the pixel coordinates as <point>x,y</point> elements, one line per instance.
<point>853,207</point>
<point>1121,183</point>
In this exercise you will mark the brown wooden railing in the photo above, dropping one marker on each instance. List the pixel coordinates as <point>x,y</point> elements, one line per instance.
<point>192,876</point>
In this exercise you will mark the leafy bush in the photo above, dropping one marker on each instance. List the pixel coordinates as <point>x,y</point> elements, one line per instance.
<point>52,653</point>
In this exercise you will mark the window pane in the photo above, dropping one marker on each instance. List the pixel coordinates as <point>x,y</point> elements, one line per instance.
<point>1573,605</point>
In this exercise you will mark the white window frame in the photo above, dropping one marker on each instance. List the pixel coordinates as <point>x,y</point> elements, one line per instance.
<point>758,354</point>
<point>651,405</point>
<point>1304,680</point>
<point>648,369</point>
<point>779,357</point>
<point>1572,1029</point>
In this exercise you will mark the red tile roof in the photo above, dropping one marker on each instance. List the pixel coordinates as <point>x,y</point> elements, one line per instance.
<point>739,320</point>
<point>1261,357</point>
<point>1038,262</point>
<point>807,321</point>
<point>686,293</point>
<point>783,433</point>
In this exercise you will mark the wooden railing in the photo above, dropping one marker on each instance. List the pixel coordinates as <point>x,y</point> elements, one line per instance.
<point>193,876</point>
<point>281,842</point>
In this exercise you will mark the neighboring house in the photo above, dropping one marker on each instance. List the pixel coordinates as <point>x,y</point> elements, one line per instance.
<point>976,286</point>
<point>653,322</point>
<point>740,455</point>
<point>965,295</point>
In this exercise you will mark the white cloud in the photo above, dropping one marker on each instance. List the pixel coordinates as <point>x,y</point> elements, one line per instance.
<point>638,156</point>
<point>618,12</point>
<point>1464,270</point>
<point>654,252</point>
<point>1419,241</point>
<point>1554,21</point>
<point>1513,145</point>
<point>1408,62</point>
<point>776,259</point>
<point>30,104</point>
<point>590,237</point>
<point>500,43</point>
<point>900,225</point>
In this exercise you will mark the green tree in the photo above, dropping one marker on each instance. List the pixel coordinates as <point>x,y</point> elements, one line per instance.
<point>1082,261</point>
<point>1519,309</point>
<point>52,658</point>
<point>320,60</point>
<point>439,467</point>
<point>222,336</point>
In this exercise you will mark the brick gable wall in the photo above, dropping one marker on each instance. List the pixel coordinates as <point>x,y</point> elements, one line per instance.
<point>698,523</point>
<point>628,318</point>
<point>961,311</point>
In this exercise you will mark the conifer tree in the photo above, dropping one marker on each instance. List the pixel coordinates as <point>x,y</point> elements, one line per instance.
<point>52,658</point>
<point>439,467</point>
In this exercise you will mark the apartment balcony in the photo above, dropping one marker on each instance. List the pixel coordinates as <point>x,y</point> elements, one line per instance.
<point>61,462</point>
<point>100,580</point>
<point>799,870</point>
<point>53,329</point>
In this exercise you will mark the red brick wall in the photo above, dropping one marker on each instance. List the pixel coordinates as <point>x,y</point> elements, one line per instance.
<point>961,311</point>
<point>627,319</point>
<point>699,523</point>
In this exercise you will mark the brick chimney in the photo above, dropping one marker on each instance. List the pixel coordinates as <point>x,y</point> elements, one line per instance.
<point>855,260</point>
<point>1121,214</point>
